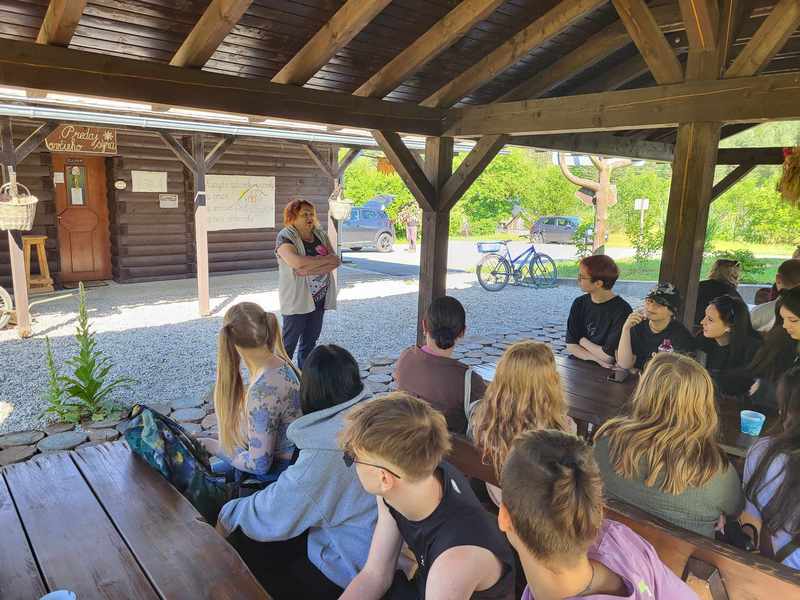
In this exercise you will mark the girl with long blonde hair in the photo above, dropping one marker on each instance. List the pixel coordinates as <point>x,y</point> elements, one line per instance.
<point>526,394</point>
<point>663,455</point>
<point>253,421</point>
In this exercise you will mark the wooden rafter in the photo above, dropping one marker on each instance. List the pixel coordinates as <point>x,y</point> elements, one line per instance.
<point>60,21</point>
<point>28,65</point>
<point>616,77</point>
<point>542,29</point>
<point>647,36</point>
<point>746,99</point>
<point>319,160</point>
<point>32,142</point>
<point>348,159</point>
<point>407,167</point>
<point>216,22</point>
<point>218,150</point>
<point>603,144</point>
<point>425,48</point>
<point>732,16</point>
<point>767,40</point>
<point>701,19</point>
<point>755,156</point>
<point>348,21</point>
<point>730,180</point>
<point>470,169</point>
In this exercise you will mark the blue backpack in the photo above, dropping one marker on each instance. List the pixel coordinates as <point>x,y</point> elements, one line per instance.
<point>182,460</point>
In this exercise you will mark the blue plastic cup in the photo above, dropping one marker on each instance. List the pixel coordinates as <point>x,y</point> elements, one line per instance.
<point>752,422</point>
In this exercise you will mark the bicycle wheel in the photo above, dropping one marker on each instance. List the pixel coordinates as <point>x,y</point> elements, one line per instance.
<point>543,271</point>
<point>6,306</point>
<point>493,272</point>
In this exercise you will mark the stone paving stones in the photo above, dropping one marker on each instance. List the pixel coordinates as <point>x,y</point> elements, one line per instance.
<point>103,435</point>
<point>104,424</point>
<point>210,422</point>
<point>16,454</point>
<point>20,438</point>
<point>66,440</point>
<point>187,403</point>
<point>57,428</point>
<point>189,415</point>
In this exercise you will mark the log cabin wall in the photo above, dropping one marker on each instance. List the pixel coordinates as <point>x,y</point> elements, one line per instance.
<point>36,173</point>
<point>149,243</point>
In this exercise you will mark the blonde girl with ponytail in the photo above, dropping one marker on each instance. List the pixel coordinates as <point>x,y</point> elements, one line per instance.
<point>253,419</point>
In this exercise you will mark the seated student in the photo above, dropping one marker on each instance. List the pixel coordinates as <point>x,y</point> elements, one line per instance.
<point>787,277</point>
<point>431,373</point>
<point>780,351</point>
<point>723,279</point>
<point>552,513</point>
<point>772,477</point>
<point>728,344</point>
<point>596,318</point>
<point>663,455</point>
<point>525,394</point>
<point>398,443</point>
<point>654,329</point>
<point>316,517</point>
<point>252,423</point>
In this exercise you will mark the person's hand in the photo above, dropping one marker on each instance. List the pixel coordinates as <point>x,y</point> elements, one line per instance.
<point>754,387</point>
<point>582,343</point>
<point>633,320</point>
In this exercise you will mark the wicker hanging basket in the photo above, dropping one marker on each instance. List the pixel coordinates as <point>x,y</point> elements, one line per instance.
<point>16,211</point>
<point>789,184</point>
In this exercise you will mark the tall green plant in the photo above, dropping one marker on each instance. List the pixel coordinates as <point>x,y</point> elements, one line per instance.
<point>57,403</point>
<point>89,384</point>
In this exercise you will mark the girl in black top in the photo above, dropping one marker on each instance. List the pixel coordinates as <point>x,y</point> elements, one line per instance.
<point>781,349</point>
<point>728,344</point>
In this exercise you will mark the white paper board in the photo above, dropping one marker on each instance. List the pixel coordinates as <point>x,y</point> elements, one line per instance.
<point>149,181</point>
<point>240,202</point>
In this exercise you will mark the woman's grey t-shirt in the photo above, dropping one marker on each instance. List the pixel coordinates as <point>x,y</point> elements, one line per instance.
<point>697,509</point>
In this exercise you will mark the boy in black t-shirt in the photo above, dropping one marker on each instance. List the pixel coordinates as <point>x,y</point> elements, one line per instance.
<point>654,329</point>
<point>596,318</point>
<point>398,443</point>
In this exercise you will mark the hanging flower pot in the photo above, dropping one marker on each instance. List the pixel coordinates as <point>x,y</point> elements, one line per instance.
<point>340,209</point>
<point>17,212</point>
<point>789,184</point>
<point>385,167</point>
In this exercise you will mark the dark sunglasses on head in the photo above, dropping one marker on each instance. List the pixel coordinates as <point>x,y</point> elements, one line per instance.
<point>350,460</point>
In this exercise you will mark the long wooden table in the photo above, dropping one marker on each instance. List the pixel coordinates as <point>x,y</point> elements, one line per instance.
<point>103,524</point>
<point>592,400</point>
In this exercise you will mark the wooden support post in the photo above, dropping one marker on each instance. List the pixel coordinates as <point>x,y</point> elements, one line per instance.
<point>15,254</point>
<point>200,224</point>
<point>435,229</point>
<point>687,215</point>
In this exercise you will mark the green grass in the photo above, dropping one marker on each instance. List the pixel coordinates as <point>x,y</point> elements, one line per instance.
<point>648,270</point>
<point>620,240</point>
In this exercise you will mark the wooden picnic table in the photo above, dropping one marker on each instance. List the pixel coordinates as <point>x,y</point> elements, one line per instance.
<point>593,399</point>
<point>103,524</point>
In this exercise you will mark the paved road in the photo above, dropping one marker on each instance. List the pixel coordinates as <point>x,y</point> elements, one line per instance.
<point>461,256</point>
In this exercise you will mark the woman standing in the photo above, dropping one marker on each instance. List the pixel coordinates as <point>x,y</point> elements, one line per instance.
<point>253,422</point>
<point>772,477</point>
<point>526,394</point>
<point>663,455</point>
<point>728,345</point>
<point>306,288</point>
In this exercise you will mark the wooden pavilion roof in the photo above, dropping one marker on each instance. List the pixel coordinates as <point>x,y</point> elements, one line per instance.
<point>434,53</point>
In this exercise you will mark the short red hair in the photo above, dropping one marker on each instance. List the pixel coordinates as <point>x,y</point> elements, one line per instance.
<point>602,268</point>
<point>293,209</point>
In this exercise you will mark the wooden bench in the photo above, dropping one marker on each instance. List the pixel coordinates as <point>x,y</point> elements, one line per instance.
<point>716,571</point>
<point>103,524</point>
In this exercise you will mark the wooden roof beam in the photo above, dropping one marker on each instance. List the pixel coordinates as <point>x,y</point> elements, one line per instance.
<point>316,156</point>
<point>731,18</point>
<point>348,21</point>
<point>28,65</point>
<point>767,40</point>
<point>60,21</point>
<point>730,180</point>
<point>647,36</point>
<point>470,169</point>
<point>542,29</point>
<point>701,18</point>
<point>407,167</point>
<point>746,99</point>
<point>213,26</point>
<point>442,35</point>
<point>755,156</point>
<point>603,144</point>
<point>352,154</point>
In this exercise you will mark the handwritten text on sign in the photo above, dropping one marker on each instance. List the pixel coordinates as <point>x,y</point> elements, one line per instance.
<point>84,140</point>
<point>240,202</point>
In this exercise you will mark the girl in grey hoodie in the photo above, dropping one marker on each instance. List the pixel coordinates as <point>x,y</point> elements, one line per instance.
<point>317,497</point>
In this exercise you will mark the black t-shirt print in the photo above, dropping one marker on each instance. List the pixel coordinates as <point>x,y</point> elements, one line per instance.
<point>644,342</point>
<point>601,323</point>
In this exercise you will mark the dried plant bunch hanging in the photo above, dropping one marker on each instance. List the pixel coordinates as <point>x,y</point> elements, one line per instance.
<point>789,184</point>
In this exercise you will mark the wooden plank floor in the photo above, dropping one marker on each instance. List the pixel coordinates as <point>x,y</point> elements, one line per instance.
<point>101,523</point>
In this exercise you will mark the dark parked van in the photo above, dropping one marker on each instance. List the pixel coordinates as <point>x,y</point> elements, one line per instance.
<point>368,227</point>
<point>558,230</point>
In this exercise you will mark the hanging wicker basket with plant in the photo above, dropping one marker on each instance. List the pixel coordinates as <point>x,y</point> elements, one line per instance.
<point>789,184</point>
<point>17,211</point>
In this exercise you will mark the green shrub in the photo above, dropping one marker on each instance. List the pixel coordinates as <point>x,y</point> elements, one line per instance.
<point>749,263</point>
<point>57,404</point>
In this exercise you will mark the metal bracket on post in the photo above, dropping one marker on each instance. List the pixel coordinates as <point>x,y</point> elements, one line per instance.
<point>199,199</point>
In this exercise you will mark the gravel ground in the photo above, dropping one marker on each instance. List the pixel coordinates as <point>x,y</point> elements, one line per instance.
<point>152,333</point>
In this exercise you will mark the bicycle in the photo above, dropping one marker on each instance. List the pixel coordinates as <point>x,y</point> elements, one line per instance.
<point>6,307</point>
<point>531,268</point>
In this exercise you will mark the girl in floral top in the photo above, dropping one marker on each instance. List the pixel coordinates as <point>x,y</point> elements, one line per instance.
<point>253,422</point>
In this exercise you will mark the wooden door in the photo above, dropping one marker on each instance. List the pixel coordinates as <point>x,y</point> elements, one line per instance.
<point>82,208</point>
